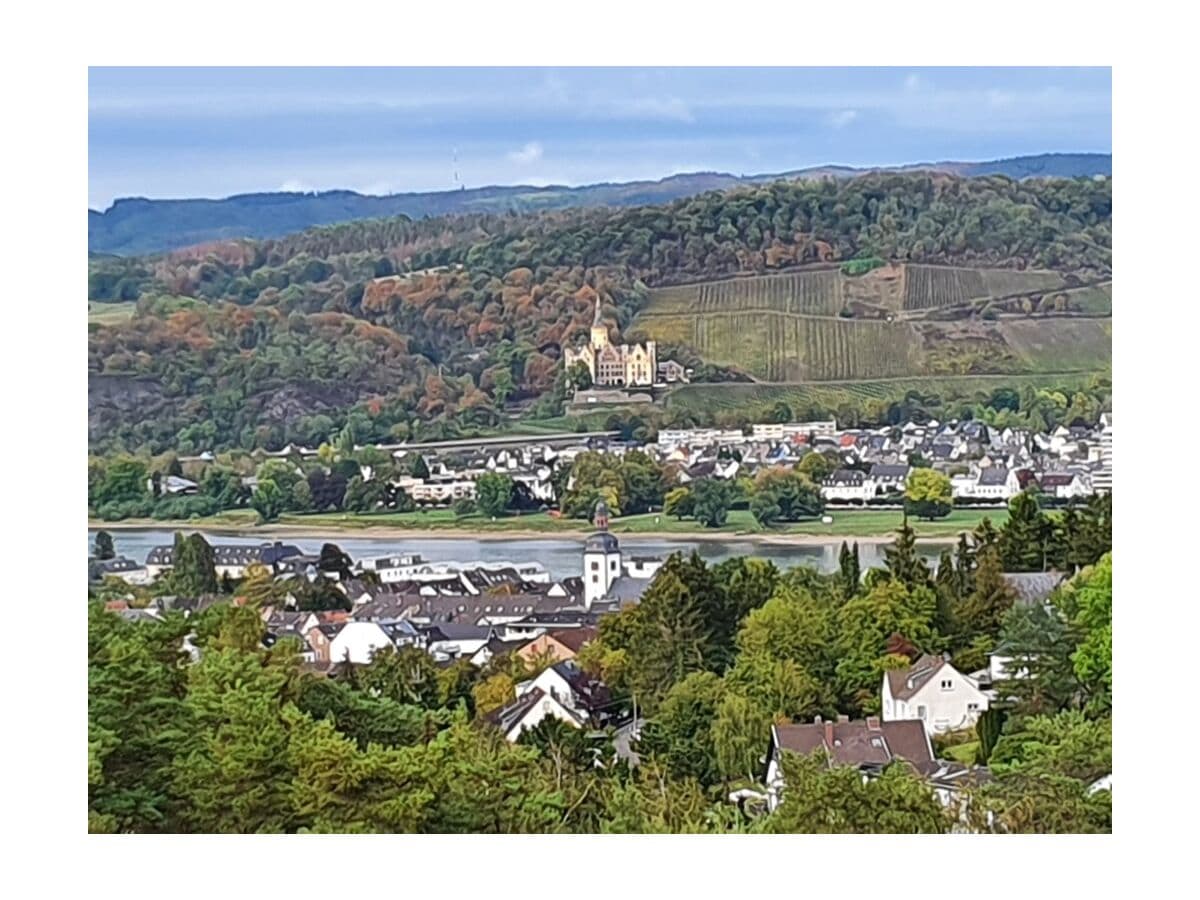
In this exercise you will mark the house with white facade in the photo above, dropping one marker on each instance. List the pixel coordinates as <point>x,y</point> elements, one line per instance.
<point>358,642</point>
<point>847,484</point>
<point>933,692</point>
<point>529,710</point>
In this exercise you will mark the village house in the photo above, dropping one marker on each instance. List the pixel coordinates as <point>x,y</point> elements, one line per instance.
<point>847,485</point>
<point>559,645</point>
<point>932,691</point>
<point>571,686</point>
<point>528,710</point>
<point>231,560</point>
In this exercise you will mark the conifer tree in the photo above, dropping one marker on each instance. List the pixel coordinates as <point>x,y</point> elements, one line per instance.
<point>902,561</point>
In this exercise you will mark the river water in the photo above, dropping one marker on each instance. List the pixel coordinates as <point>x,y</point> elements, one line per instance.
<point>562,557</point>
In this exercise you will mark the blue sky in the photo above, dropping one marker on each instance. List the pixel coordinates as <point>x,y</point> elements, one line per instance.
<point>216,132</point>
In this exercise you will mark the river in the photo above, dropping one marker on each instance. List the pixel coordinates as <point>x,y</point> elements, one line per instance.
<point>562,557</point>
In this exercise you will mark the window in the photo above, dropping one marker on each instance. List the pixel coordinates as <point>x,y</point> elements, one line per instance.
<point>595,565</point>
<point>972,707</point>
<point>947,684</point>
<point>920,712</point>
<point>595,578</point>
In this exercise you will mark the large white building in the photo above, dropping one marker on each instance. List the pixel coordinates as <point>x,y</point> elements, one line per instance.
<point>934,692</point>
<point>613,365</point>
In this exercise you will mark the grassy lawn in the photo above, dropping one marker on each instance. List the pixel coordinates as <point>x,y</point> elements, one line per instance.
<point>850,523</point>
<point>963,753</point>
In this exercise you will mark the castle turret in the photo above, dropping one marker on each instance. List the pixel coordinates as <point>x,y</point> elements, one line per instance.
<point>599,329</point>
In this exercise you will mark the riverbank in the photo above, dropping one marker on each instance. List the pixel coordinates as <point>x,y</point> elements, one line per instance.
<point>863,526</point>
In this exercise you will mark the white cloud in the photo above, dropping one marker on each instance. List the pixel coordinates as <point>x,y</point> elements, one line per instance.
<point>843,117</point>
<point>294,185</point>
<point>530,153</point>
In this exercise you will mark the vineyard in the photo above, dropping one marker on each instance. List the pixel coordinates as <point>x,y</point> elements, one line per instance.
<point>816,293</point>
<point>801,397</point>
<point>1060,345</point>
<point>933,287</point>
<point>778,347</point>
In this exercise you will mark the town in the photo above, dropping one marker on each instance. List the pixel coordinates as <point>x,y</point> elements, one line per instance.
<point>981,466</point>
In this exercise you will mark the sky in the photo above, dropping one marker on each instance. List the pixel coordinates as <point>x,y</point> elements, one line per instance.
<point>221,131</point>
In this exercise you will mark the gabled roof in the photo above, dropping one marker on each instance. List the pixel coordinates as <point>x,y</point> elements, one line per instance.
<point>994,475</point>
<point>869,743</point>
<point>1033,588</point>
<point>574,638</point>
<point>844,476</point>
<point>904,683</point>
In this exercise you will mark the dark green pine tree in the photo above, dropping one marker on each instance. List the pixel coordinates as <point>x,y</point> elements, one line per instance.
<point>104,549</point>
<point>194,569</point>
<point>945,583</point>
<point>985,534</point>
<point>1025,538</point>
<point>964,566</point>
<point>850,570</point>
<point>902,561</point>
<point>988,727</point>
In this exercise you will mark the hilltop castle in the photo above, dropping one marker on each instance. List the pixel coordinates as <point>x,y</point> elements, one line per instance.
<point>611,365</point>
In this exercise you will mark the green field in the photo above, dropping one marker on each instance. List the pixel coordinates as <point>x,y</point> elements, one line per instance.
<point>110,313</point>
<point>933,287</point>
<point>1060,344</point>
<point>1093,301</point>
<point>810,293</point>
<point>755,397</point>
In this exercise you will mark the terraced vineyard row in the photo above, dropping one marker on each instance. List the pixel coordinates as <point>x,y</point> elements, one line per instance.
<point>932,287</point>
<point>792,348</point>
<point>816,293</point>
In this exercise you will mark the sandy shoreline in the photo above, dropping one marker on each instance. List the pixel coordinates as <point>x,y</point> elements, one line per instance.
<point>450,534</point>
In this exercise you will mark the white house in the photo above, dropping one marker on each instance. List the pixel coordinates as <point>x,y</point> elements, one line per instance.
<point>847,484</point>
<point>1064,485</point>
<point>994,483</point>
<point>359,641</point>
<point>528,710</point>
<point>934,692</point>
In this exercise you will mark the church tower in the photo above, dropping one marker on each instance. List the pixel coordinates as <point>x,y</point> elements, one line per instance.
<point>601,559</point>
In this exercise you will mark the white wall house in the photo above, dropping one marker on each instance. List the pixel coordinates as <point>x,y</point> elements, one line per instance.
<point>847,484</point>
<point>529,710</point>
<point>934,692</point>
<point>358,642</point>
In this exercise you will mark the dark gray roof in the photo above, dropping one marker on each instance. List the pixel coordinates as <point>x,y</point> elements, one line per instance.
<point>230,554</point>
<point>627,588</point>
<point>602,542</point>
<point>1033,588</point>
<point>882,470</point>
<point>993,475</point>
<point>844,476</point>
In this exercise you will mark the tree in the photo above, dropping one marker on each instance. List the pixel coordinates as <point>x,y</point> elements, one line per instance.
<point>839,800</point>
<point>1025,538</point>
<point>267,500</point>
<point>193,566</point>
<point>679,732</point>
<point>711,499</point>
<point>815,466</point>
<point>418,468</point>
<point>103,547</point>
<point>334,559</point>
<point>739,733</point>
<point>765,509</point>
<point>902,561</point>
<point>927,494</point>
<point>849,569</point>
<point>364,496</point>
<point>578,377</point>
<point>982,612</point>
<point>493,493</point>
<point>678,503</point>
<point>259,586</point>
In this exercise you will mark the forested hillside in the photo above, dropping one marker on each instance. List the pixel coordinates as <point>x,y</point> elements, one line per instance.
<point>422,328</point>
<point>139,225</point>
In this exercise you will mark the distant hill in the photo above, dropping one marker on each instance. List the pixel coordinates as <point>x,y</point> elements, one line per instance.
<point>138,225</point>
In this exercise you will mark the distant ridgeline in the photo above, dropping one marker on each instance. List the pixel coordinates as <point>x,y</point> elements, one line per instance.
<point>137,225</point>
<point>879,297</point>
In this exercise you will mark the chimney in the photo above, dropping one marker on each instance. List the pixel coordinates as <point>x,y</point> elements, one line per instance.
<point>872,723</point>
<point>843,719</point>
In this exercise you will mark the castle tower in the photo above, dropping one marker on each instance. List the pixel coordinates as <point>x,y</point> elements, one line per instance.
<point>599,329</point>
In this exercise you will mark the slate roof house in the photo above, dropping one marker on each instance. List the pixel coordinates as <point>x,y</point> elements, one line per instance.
<point>868,745</point>
<point>934,693</point>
